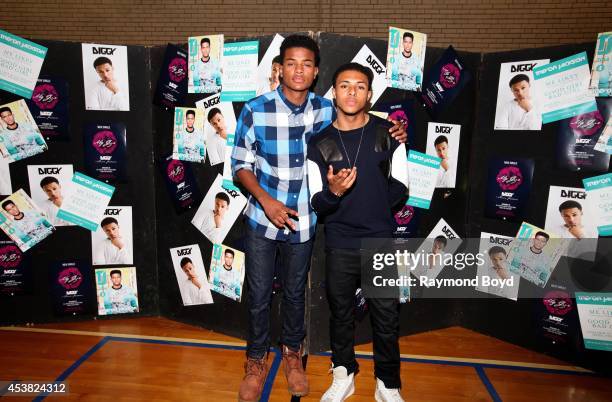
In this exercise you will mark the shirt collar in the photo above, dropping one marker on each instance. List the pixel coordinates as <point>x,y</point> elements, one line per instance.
<point>293,108</point>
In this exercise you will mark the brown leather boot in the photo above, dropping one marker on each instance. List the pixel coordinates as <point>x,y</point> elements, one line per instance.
<point>255,372</point>
<point>294,371</point>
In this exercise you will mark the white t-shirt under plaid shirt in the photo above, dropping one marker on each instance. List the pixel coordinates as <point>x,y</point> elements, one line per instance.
<point>271,138</point>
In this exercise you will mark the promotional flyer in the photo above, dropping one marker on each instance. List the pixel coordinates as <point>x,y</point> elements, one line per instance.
<point>112,243</point>
<point>239,71</point>
<point>20,137</point>
<point>268,70</point>
<point>172,82</point>
<point>495,249</point>
<point>508,188</point>
<point>105,151</point>
<point>595,312</point>
<point>601,72</point>
<point>443,141</point>
<point>116,290</point>
<point>191,275</point>
<point>49,106</point>
<point>423,175</point>
<point>204,61</point>
<point>49,184</point>
<point>181,184</point>
<point>405,59</point>
<point>20,63</point>
<point>6,186</point>
<point>188,139</point>
<point>401,111</point>
<point>219,121</point>
<point>72,288</point>
<point>227,271</point>
<point>439,247</point>
<point>15,270</point>
<point>105,77</point>
<point>599,192</point>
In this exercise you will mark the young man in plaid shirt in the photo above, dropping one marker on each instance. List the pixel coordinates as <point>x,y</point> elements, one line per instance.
<point>269,160</point>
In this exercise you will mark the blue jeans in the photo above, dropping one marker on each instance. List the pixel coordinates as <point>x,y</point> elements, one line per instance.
<point>260,262</point>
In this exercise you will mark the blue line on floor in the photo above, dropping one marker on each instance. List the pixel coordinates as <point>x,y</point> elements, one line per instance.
<point>487,383</point>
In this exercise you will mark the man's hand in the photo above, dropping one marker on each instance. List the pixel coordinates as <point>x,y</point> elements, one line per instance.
<point>576,231</point>
<point>278,213</point>
<point>525,104</point>
<point>444,164</point>
<point>398,131</point>
<point>112,86</point>
<point>340,182</point>
<point>218,219</point>
<point>117,242</point>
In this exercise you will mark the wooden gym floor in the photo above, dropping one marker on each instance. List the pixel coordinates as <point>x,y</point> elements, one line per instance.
<point>155,359</point>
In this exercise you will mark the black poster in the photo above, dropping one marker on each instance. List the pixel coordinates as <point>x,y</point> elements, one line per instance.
<point>172,82</point>
<point>577,138</point>
<point>49,107</point>
<point>557,318</point>
<point>181,184</point>
<point>402,111</point>
<point>105,151</point>
<point>406,220</point>
<point>508,188</point>
<point>72,288</point>
<point>14,270</point>
<point>443,82</point>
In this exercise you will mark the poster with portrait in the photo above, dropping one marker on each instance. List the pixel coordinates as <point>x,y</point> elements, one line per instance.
<point>105,77</point>
<point>402,111</point>
<point>112,243</point>
<point>601,71</point>
<point>228,178</point>
<point>6,186</point>
<point>239,71</point>
<point>226,275</point>
<point>117,290</point>
<point>423,175</point>
<point>172,82</point>
<point>23,221</point>
<point>604,143</point>
<point>191,275</point>
<point>563,87</point>
<point>445,80</point>
<point>535,252</point>
<point>508,188</point>
<point>180,183</point>
<point>219,121</point>
<point>188,141</point>
<point>49,106</point>
<point>367,58</point>
<point>569,215</point>
<point>599,193</point>
<point>494,276</point>
<point>268,70</point>
<point>49,185</point>
<point>578,136</point>
<point>405,59</point>
<point>518,106</point>
<point>105,151</point>
<point>72,287</point>
<point>15,270</point>
<point>437,251</point>
<point>85,202</point>
<point>204,62</point>
<point>20,63</point>
<point>443,141</point>
<point>594,312</point>
<point>20,137</point>
<point>218,211</point>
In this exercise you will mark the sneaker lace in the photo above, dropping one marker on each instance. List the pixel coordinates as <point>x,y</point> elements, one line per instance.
<point>254,367</point>
<point>393,394</point>
<point>335,387</point>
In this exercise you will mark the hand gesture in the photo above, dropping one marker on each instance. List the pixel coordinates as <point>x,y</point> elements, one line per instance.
<point>340,182</point>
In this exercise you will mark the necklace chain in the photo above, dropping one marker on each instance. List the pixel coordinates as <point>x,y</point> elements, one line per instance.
<point>358,147</point>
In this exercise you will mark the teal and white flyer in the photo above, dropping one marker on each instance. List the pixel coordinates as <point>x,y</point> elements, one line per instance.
<point>86,201</point>
<point>20,63</point>
<point>239,71</point>
<point>595,313</point>
<point>422,176</point>
<point>563,88</point>
<point>601,73</point>
<point>599,190</point>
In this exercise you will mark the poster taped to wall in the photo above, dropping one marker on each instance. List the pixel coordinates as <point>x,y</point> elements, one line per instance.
<point>117,290</point>
<point>227,271</point>
<point>422,174</point>
<point>601,72</point>
<point>268,71</point>
<point>172,81</point>
<point>508,188</point>
<point>105,151</point>
<point>20,137</point>
<point>219,121</point>
<point>239,71</point>
<point>205,53</point>
<point>20,63</point>
<point>405,59</point>
<point>105,77</point>
<point>15,274</point>
<point>599,197</point>
<point>438,249</point>
<point>191,275</point>
<point>594,311</point>
<point>49,106</point>
<point>443,141</point>
<point>72,287</point>
<point>180,183</point>
<point>495,249</point>
<point>112,243</point>
<point>49,185</point>
<point>188,139</point>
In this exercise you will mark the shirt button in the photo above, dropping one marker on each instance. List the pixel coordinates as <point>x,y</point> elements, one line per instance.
<point>295,196</point>
<point>296,140</point>
<point>297,160</point>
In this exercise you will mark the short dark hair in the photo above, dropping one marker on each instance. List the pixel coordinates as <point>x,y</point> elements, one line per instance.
<point>543,234</point>
<point>496,249</point>
<point>185,261</point>
<point>518,78</point>
<point>108,220</point>
<point>5,109</point>
<point>102,60</point>
<point>229,251</point>
<point>48,180</point>
<point>223,196</point>
<point>213,112</point>
<point>354,67</point>
<point>277,59</point>
<point>190,111</point>
<point>115,271</point>
<point>440,239</point>
<point>7,203</point>
<point>303,41</point>
<point>440,140</point>
<point>204,40</point>
<point>569,204</point>
<point>408,35</point>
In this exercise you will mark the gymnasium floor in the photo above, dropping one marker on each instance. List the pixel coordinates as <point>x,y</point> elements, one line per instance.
<point>156,359</point>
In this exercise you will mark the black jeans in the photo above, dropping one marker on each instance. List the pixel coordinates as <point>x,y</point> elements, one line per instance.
<point>260,264</point>
<point>343,277</point>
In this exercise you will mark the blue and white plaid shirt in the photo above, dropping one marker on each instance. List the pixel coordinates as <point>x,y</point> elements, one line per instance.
<point>271,139</point>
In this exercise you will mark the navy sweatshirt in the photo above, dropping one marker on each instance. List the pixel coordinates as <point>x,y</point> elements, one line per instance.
<point>382,178</point>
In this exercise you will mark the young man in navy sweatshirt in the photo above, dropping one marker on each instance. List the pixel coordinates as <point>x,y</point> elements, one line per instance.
<point>356,174</point>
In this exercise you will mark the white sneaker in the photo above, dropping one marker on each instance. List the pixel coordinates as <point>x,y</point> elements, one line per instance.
<point>342,387</point>
<point>384,394</point>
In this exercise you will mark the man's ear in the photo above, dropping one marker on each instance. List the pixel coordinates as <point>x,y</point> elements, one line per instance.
<point>316,71</point>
